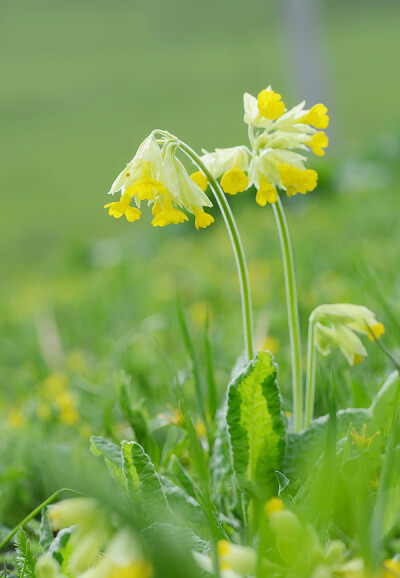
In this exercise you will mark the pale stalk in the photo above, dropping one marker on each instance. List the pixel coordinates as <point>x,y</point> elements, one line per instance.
<point>310,380</point>
<point>236,245</point>
<point>293,313</point>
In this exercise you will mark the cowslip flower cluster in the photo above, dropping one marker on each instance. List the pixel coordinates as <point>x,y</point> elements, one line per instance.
<point>274,160</point>
<point>156,176</point>
<point>338,325</point>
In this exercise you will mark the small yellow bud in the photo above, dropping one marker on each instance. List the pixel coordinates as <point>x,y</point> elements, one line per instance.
<point>319,141</point>
<point>200,180</point>
<point>270,104</point>
<point>234,181</point>
<point>272,506</point>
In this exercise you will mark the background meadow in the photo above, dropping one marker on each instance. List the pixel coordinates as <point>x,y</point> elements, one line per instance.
<point>84,296</point>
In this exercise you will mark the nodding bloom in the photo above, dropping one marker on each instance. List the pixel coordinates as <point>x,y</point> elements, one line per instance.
<point>275,159</point>
<point>338,325</point>
<point>157,177</point>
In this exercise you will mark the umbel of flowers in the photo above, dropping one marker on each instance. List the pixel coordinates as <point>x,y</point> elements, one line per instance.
<point>274,160</point>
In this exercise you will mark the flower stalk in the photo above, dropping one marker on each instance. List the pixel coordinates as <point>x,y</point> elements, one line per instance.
<point>293,313</point>
<point>310,379</point>
<point>236,245</point>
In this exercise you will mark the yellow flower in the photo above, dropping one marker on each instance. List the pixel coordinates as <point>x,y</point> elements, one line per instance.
<point>377,330</point>
<point>234,181</point>
<point>360,440</point>
<point>297,180</point>
<point>122,207</point>
<point>338,324</point>
<point>145,187</point>
<point>391,568</point>
<point>15,419</point>
<point>200,428</point>
<point>319,141</point>
<point>53,385</point>
<point>240,559</point>
<point>157,176</point>
<point>272,506</point>
<point>203,219</point>
<point>200,180</point>
<point>316,116</point>
<point>266,193</point>
<point>270,104</point>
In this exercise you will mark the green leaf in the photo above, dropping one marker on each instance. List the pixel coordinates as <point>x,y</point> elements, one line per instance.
<point>111,454</point>
<point>45,531</point>
<point>306,447</point>
<point>181,476</point>
<point>60,548</point>
<point>382,406</point>
<point>26,559</point>
<point>256,423</point>
<point>143,480</point>
<point>183,505</point>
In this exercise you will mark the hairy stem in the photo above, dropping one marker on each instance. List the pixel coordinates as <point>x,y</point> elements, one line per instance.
<point>293,313</point>
<point>236,245</point>
<point>311,366</point>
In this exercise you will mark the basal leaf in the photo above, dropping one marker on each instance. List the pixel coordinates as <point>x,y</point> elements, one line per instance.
<point>111,454</point>
<point>256,423</point>
<point>143,480</point>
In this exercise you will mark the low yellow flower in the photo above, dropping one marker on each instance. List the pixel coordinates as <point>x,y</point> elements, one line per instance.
<point>391,568</point>
<point>122,207</point>
<point>15,419</point>
<point>360,440</point>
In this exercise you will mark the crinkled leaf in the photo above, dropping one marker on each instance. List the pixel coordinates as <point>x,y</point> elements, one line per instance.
<point>143,480</point>
<point>60,548</point>
<point>159,532</point>
<point>305,448</point>
<point>183,505</point>
<point>256,423</point>
<point>111,454</point>
<point>26,559</point>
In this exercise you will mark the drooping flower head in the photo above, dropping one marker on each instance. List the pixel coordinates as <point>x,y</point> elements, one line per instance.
<point>278,140</point>
<point>338,325</point>
<point>157,177</point>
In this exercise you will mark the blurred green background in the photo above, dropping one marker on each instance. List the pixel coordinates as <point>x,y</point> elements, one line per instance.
<point>82,294</point>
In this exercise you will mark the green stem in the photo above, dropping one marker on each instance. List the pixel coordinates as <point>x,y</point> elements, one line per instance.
<point>293,313</point>
<point>237,248</point>
<point>311,366</point>
<point>34,513</point>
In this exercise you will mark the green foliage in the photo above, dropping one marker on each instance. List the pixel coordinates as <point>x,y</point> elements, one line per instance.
<point>256,424</point>
<point>25,557</point>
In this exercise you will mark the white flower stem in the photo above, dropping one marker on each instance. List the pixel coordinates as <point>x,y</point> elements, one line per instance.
<point>293,313</point>
<point>310,380</point>
<point>236,245</point>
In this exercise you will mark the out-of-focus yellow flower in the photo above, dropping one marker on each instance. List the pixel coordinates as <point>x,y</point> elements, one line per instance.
<point>65,402</point>
<point>337,325</point>
<point>271,344</point>
<point>15,418</point>
<point>241,559</point>
<point>201,429</point>
<point>273,505</point>
<point>53,385</point>
<point>391,568</point>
